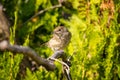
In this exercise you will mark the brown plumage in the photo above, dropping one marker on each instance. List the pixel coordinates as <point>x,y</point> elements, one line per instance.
<point>61,38</point>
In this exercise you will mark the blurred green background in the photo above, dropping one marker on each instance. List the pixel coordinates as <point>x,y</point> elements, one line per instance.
<point>95,28</point>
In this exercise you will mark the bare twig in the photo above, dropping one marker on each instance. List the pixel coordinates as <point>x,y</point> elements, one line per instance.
<point>57,54</point>
<point>44,10</point>
<point>63,63</point>
<point>66,68</point>
<point>31,53</point>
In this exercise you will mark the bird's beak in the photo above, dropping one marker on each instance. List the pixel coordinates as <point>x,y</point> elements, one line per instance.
<point>54,32</point>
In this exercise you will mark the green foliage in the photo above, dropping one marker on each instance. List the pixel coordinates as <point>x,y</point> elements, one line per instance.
<point>95,38</point>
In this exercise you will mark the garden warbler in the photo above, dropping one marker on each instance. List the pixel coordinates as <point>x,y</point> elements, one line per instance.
<point>60,39</point>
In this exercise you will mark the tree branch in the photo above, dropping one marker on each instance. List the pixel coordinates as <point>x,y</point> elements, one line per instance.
<point>44,10</point>
<point>31,53</point>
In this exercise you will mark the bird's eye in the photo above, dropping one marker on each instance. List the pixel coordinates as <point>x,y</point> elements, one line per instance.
<point>59,30</point>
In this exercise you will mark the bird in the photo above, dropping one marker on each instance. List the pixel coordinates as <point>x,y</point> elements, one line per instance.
<point>60,39</point>
<point>4,29</point>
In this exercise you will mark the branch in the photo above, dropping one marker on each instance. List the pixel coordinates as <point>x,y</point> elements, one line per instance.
<point>31,53</point>
<point>44,10</point>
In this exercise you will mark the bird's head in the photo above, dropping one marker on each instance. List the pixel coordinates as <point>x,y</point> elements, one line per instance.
<point>60,30</point>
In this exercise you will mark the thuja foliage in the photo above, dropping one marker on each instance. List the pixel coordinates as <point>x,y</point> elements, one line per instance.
<point>94,46</point>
